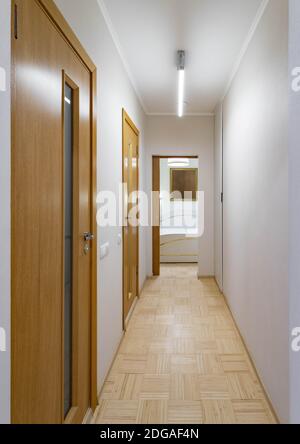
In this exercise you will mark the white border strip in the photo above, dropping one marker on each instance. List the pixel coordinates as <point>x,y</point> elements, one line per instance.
<point>118,45</point>
<point>245,46</point>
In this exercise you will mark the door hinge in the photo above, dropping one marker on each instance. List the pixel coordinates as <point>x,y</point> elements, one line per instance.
<point>16,22</point>
<point>222,197</point>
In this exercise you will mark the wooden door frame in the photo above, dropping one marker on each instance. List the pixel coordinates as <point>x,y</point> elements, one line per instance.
<point>57,19</point>
<point>156,228</point>
<point>126,119</point>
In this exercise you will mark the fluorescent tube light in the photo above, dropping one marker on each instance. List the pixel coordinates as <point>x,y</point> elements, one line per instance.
<point>181,79</point>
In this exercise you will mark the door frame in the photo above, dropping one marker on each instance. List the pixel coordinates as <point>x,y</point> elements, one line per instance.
<point>57,19</point>
<point>156,211</point>
<point>126,119</point>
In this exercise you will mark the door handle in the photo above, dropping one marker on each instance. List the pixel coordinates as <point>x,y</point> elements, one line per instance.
<point>88,236</point>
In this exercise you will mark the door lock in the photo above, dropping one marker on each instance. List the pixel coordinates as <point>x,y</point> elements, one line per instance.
<point>88,237</point>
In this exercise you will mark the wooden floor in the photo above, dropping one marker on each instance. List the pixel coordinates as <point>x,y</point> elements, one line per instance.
<point>182,360</point>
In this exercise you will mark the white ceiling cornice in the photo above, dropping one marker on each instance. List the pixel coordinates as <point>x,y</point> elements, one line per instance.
<point>245,46</point>
<point>118,45</point>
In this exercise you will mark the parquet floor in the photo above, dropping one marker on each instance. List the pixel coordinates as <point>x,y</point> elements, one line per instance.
<point>182,360</point>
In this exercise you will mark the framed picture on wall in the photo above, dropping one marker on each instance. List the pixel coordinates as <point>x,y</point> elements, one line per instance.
<point>183,180</point>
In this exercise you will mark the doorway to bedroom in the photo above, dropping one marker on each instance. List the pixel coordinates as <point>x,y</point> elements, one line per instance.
<point>175,234</point>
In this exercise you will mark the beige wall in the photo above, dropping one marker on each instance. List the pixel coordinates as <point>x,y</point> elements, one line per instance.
<point>255,126</point>
<point>169,135</point>
<point>114,92</point>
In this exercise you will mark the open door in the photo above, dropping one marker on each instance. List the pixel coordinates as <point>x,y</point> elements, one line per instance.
<point>190,184</point>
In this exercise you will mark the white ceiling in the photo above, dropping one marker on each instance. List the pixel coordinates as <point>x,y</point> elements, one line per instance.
<point>149,32</point>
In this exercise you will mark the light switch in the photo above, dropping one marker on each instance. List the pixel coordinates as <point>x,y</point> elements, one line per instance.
<point>104,250</point>
<point>2,340</point>
<point>2,79</point>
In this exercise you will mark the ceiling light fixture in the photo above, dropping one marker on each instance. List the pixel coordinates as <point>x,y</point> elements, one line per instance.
<point>181,80</point>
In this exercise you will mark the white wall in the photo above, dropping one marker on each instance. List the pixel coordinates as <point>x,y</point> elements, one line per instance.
<point>294,182</point>
<point>5,211</point>
<point>255,126</point>
<point>218,212</point>
<point>114,92</point>
<point>194,136</point>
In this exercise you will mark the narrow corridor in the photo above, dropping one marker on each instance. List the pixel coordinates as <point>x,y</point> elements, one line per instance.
<point>182,360</point>
<point>149,163</point>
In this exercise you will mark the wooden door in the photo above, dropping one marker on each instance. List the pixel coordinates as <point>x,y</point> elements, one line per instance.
<point>131,233</point>
<point>51,211</point>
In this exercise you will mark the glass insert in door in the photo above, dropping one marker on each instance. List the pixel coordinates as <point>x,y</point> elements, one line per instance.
<point>68,260</point>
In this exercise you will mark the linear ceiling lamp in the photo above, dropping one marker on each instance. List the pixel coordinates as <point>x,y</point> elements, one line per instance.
<point>181,80</point>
